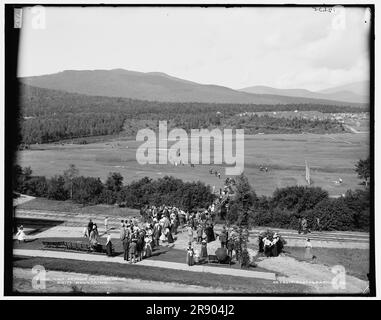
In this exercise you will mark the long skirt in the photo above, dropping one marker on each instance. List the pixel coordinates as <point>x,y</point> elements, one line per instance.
<point>148,250</point>
<point>109,249</point>
<point>274,250</point>
<point>190,260</point>
<point>170,237</point>
<point>267,251</point>
<point>204,252</point>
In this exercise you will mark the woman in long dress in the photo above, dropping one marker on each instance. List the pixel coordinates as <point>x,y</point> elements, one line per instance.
<point>190,256</point>
<point>308,252</point>
<point>109,246</point>
<point>204,249</point>
<point>148,247</point>
<point>93,238</point>
<point>169,236</point>
<point>21,237</point>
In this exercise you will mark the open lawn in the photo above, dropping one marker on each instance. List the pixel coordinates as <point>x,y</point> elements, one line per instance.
<point>242,285</point>
<point>330,157</point>
<point>355,261</point>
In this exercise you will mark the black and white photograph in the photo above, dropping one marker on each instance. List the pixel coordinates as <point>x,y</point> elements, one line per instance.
<point>188,150</point>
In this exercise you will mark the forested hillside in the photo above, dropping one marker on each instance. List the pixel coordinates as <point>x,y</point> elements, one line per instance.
<point>52,115</point>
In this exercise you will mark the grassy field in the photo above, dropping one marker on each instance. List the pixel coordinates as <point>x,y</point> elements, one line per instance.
<point>330,157</point>
<point>355,261</point>
<point>70,206</point>
<point>243,285</point>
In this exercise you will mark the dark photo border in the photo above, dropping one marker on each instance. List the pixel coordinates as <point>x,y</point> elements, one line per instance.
<point>12,138</point>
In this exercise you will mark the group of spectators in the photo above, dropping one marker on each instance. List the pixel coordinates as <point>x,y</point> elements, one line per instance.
<point>91,232</point>
<point>230,242</point>
<point>160,225</point>
<point>138,240</point>
<point>230,245</point>
<point>215,172</point>
<point>271,246</point>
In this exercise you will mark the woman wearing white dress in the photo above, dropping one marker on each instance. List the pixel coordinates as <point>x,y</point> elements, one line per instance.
<point>308,252</point>
<point>21,234</point>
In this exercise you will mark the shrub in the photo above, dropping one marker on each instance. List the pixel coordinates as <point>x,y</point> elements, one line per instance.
<point>87,190</point>
<point>298,198</point>
<point>334,214</point>
<point>36,186</point>
<point>56,188</point>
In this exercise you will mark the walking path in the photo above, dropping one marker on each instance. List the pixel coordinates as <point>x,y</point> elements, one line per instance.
<point>71,225</point>
<point>149,263</point>
<point>323,279</point>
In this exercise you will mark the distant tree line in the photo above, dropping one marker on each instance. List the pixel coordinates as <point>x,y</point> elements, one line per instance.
<point>68,126</point>
<point>267,124</point>
<point>52,115</point>
<point>281,210</point>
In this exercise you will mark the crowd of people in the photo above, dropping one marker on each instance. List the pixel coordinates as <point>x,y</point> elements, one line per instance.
<point>271,247</point>
<point>160,225</point>
<point>92,234</point>
<point>229,245</point>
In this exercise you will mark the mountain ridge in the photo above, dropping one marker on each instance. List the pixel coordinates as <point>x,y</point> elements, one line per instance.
<point>156,86</point>
<point>354,92</point>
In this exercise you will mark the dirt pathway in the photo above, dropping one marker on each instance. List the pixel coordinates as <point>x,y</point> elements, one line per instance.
<point>321,278</point>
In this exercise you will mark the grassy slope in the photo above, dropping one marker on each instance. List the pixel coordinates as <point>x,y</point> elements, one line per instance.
<point>355,261</point>
<point>240,284</point>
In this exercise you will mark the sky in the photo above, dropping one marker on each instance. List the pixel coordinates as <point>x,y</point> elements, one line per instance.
<point>234,47</point>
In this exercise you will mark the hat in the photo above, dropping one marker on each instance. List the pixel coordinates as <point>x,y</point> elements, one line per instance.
<point>203,241</point>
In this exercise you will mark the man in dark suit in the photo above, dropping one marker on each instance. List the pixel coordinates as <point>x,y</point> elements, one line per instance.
<point>90,227</point>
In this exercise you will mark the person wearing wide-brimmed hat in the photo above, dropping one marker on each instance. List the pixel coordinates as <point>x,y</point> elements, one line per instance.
<point>204,249</point>
<point>109,245</point>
